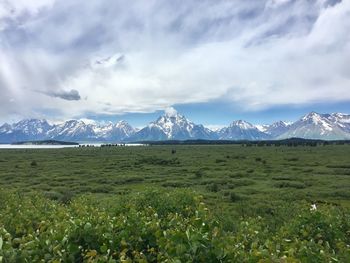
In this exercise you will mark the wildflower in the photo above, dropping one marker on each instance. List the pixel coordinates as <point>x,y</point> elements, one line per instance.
<point>313,207</point>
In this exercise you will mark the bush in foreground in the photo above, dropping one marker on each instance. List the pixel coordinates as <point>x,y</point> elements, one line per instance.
<point>155,226</point>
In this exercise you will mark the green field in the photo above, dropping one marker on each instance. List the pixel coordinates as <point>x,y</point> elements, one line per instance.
<point>256,196</point>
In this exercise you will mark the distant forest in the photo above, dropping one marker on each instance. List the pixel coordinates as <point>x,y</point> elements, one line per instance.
<point>284,142</point>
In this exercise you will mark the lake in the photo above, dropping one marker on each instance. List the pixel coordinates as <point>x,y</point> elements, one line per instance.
<point>12,146</point>
<point>27,146</point>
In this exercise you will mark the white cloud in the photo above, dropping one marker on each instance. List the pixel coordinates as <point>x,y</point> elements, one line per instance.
<point>145,56</point>
<point>170,111</point>
<point>276,3</point>
<point>13,9</point>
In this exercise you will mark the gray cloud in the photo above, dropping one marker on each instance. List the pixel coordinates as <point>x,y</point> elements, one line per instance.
<point>147,55</point>
<point>69,95</point>
<point>65,95</point>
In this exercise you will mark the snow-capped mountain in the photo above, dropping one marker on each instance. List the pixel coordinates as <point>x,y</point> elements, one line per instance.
<point>72,130</point>
<point>342,120</point>
<point>319,126</point>
<point>32,127</point>
<point>25,130</point>
<point>5,128</point>
<point>80,131</point>
<point>173,127</point>
<point>242,130</point>
<point>276,128</point>
<point>119,131</point>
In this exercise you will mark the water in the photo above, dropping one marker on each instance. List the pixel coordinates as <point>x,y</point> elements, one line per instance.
<point>12,146</point>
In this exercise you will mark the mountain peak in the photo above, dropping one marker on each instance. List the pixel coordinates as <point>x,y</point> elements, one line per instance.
<point>171,120</point>
<point>242,130</point>
<point>318,126</point>
<point>174,126</point>
<point>318,119</point>
<point>125,126</point>
<point>243,124</point>
<point>340,115</point>
<point>312,116</point>
<point>280,124</point>
<point>32,120</point>
<point>122,123</point>
<point>72,123</point>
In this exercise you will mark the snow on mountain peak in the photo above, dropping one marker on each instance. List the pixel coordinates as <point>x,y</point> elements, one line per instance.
<point>122,124</point>
<point>319,120</point>
<point>32,126</point>
<point>171,122</point>
<point>281,123</point>
<point>311,116</point>
<point>174,126</point>
<point>243,124</point>
<point>262,128</point>
<point>242,130</point>
<point>341,117</point>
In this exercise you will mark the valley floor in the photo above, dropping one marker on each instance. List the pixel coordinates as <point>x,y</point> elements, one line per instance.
<point>245,196</point>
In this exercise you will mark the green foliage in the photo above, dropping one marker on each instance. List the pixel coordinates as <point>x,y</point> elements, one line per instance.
<point>315,173</point>
<point>158,161</point>
<point>234,197</point>
<point>92,204</point>
<point>158,226</point>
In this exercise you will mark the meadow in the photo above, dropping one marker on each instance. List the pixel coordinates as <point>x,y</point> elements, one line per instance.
<point>176,203</point>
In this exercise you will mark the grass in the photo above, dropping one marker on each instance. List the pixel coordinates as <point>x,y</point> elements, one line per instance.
<point>255,173</point>
<point>237,183</point>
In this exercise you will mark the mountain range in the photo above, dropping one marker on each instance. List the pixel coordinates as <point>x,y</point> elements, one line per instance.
<point>335,126</point>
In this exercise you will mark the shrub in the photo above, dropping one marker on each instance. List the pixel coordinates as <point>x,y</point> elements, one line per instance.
<point>292,159</point>
<point>158,226</point>
<point>234,197</point>
<point>199,174</point>
<point>290,184</point>
<point>213,187</point>
<point>175,184</point>
<point>158,161</point>
<point>236,175</point>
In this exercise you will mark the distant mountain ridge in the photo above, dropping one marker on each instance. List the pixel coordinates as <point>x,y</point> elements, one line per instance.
<point>173,126</point>
<point>320,126</point>
<point>72,130</point>
<point>242,130</point>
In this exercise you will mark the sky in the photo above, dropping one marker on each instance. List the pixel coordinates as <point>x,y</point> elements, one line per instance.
<point>213,61</point>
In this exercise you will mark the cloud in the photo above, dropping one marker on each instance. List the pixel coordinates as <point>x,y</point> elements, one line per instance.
<point>19,10</point>
<point>65,95</point>
<point>170,111</point>
<point>149,55</point>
